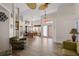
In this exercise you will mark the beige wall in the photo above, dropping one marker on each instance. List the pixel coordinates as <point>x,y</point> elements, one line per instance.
<point>4,32</point>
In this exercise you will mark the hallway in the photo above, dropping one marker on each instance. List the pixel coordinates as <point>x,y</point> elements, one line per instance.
<point>39,32</point>
<point>40,47</point>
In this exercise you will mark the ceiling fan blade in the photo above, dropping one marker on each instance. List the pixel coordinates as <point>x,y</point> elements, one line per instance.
<point>31,5</point>
<point>43,6</point>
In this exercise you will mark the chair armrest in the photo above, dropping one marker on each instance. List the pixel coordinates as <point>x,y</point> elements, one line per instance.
<point>70,45</point>
<point>78,47</point>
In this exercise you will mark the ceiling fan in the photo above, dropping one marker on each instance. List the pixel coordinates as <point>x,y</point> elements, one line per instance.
<point>42,6</point>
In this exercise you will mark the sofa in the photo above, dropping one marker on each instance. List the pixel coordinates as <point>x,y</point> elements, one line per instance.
<point>70,48</point>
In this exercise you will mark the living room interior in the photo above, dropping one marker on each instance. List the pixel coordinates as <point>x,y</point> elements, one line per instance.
<point>39,29</point>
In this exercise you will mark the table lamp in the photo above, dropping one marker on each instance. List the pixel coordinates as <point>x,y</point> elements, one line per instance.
<point>74,32</point>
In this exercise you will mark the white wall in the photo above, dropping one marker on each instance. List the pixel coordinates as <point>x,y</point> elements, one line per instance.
<point>65,21</point>
<point>4,32</point>
<point>63,27</point>
<point>8,7</point>
<point>21,27</point>
<point>12,26</point>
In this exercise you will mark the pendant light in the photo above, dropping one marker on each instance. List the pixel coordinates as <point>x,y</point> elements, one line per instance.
<point>43,6</point>
<point>45,17</point>
<point>31,5</point>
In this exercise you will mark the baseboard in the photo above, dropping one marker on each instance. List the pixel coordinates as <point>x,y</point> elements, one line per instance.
<point>60,42</point>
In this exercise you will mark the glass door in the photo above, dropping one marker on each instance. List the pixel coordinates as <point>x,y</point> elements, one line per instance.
<point>45,30</point>
<point>50,31</point>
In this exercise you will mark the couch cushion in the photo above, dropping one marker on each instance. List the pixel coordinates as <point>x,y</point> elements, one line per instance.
<point>70,45</point>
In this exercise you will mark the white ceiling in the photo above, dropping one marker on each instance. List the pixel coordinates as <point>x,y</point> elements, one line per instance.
<point>32,14</point>
<point>36,13</point>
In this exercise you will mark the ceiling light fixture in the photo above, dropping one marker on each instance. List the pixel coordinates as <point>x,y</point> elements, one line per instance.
<point>31,5</point>
<point>45,18</point>
<point>41,6</point>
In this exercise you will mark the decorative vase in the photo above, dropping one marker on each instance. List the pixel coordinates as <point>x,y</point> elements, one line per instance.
<point>73,38</point>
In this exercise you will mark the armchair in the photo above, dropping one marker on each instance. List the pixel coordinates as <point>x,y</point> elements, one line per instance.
<point>70,48</point>
<point>16,44</point>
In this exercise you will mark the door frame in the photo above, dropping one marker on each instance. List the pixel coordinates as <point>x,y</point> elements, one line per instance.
<point>47,31</point>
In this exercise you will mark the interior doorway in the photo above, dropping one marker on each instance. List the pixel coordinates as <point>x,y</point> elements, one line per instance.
<point>47,31</point>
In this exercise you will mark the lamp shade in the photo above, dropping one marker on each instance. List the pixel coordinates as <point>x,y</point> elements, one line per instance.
<point>74,31</point>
